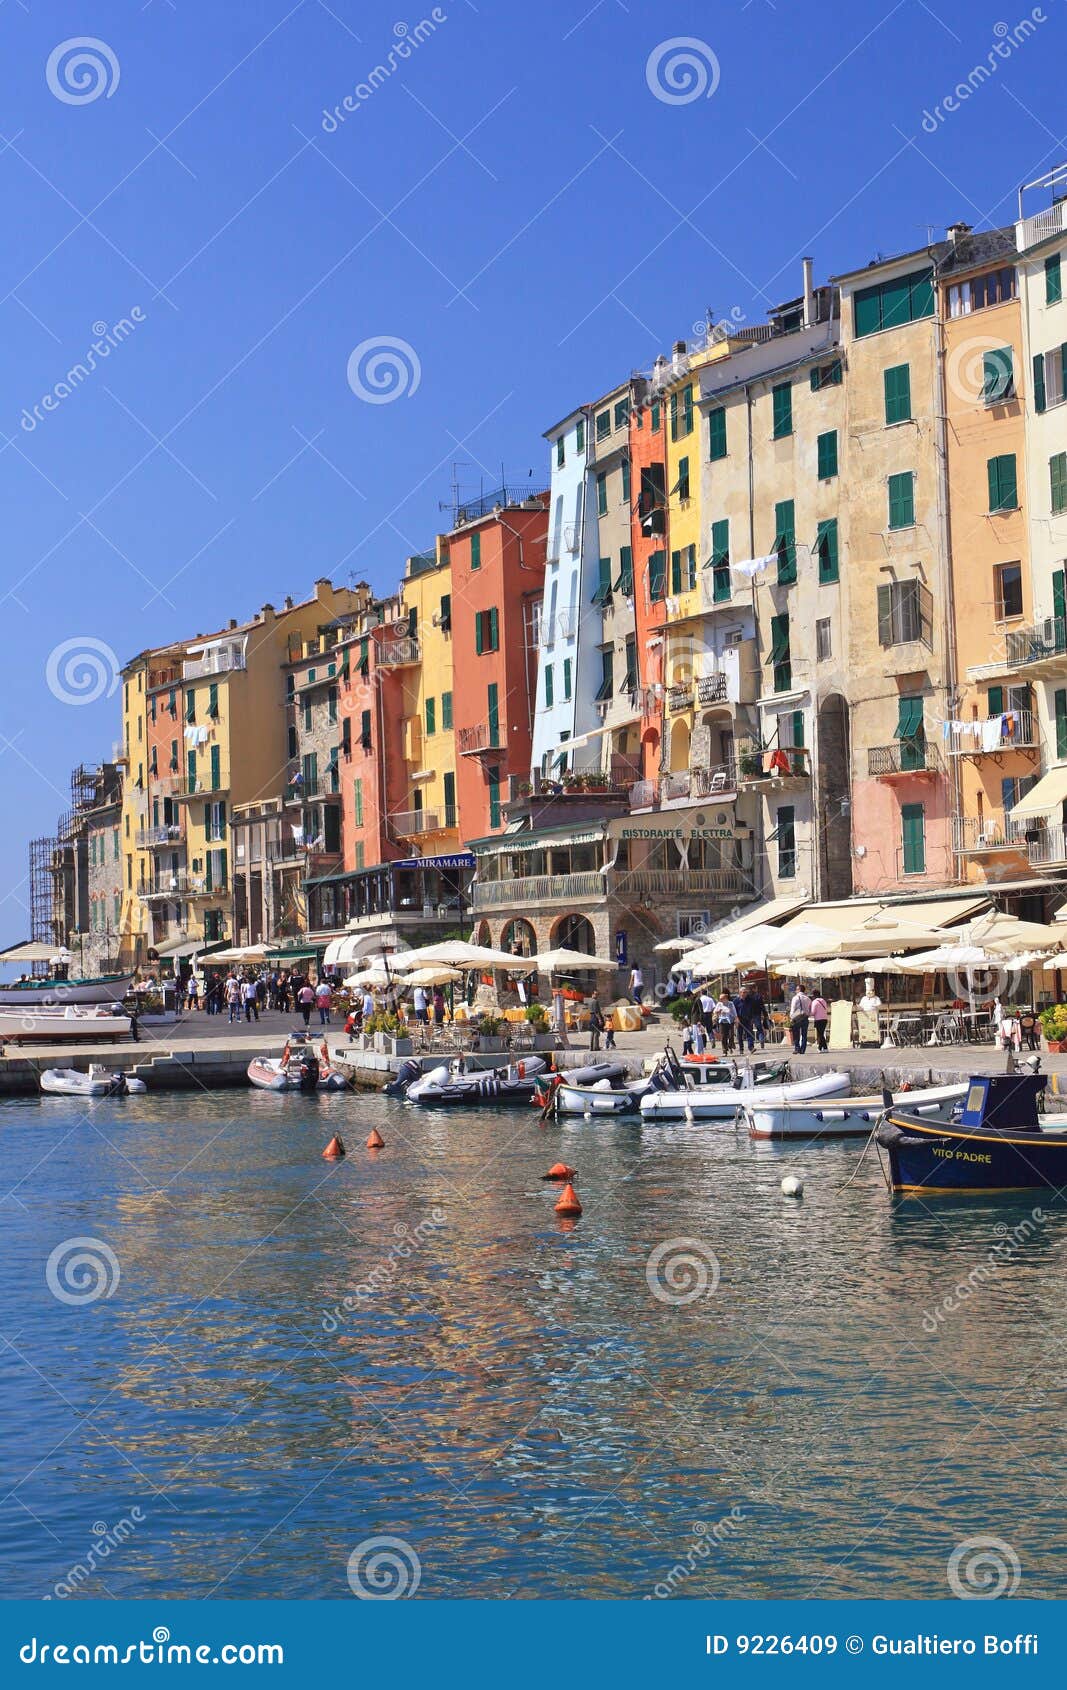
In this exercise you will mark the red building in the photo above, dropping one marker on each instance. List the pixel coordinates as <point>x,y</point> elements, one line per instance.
<point>650,548</point>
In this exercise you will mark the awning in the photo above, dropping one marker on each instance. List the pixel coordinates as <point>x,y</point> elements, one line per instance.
<point>352,947</point>
<point>298,953</point>
<point>867,914</point>
<point>188,947</point>
<point>1043,798</point>
<point>543,839</point>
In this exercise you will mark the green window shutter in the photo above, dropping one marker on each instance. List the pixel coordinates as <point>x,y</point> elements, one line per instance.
<point>998,376</point>
<point>494,797</point>
<point>674,416</point>
<point>717,433</point>
<point>1057,468</point>
<point>216,767</point>
<point>655,416</point>
<point>1003,488</point>
<point>1039,382</point>
<point>494,629</point>
<point>785,826</point>
<point>885,615</point>
<point>816,379</point>
<point>866,312</point>
<point>190,770</point>
<point>826,546</point>
<point>566,677</point>
<point>190,705</point>
<point>446,710</point>
<point>995,701</point>
<point>431,715</point>
<point>476,550</point>
<point>549,687</point>
<point>826,446</point>
<point>602,493</point>
<point>687,409</point>
<point>785,542</point>
<point>364,728</point>
<point>560,451</point>
<point>603,425</point>
<point>782,404</point>
<point>902,500</point>
<point>624,468</point>
<point>897,381</point>
<point>780,654</point>
<point>676,572</point>
<point>357,802</point>
<point>602,595</point>
<point>721,590</point>
<point>213,699</point>
<point>493,704</point>
<point>579,435</point>
<point>449,784</point>
<point>683,478</point>
<point>622,413</point>
<point>913,830</point>
<point>625,582</point>
<point>478,633</point>
<point>921,288</point>
<point>657,575</point>
<point>1053,281</point>
<point>1059,600</point>
<point>1061,722</point>
<point>798,727</point>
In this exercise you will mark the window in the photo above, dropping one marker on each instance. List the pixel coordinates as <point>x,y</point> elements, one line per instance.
<point>823,641</point>
<point>446,710</point>
<point>364,730</point>
<point>602,493</point>
<point>622,413</point>
<point>717,433</point>
<point>1057,470</point>
<point>607,676</point>
<point>549,687</point>
<point>431,715</point>
<point>897,383</point>
<point>911,732</point>
<point>826,375</point>
<point>720,562</point>
<point>602,596</point>
<point>629,683</point>
<point>494,796</point>
<point>902,500</point>
<point>566,677</point>
<point>913,832</point>
<point>785,828</point>
<point>991,289</point>
<point>212,701</point>
<point>1050,377</point>
<point>476,551</point>
<point>684,569</point>
<point>826,550</point>
<point>625,582</point>
<point>785,542</point>
<point>782,410</point>
<point>561,451</point>
<point>444,615</point>
<point>174,756</point>
<point>826,446</point>
<point>493,711</point>
<point>1053,282</point>
<point>624,472</point>
<point>190,705</point>
<point>486,631</point>
<point>682,413</point>
<point>331,700</point>
<point>905,613</point>
<point>357,801</point>
<point>603,424</point>
<point>657,576</point>
<point>1007,590</point>
<point>292,740</point>
<point>307,712</point>
<point>683,478</point>
<point>449,785</point>
<point>998,376</point>
<point>1060,703</point>
<point>579,435</point>
<point>889,304</point>
<point>656,416</point>
<point>1003,489</point>
<point>780,656</point>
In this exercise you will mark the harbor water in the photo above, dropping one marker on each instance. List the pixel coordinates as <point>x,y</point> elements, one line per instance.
<point>699,1388</point>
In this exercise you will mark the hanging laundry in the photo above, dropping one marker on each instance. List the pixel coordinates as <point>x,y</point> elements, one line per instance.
<point>753,566</point>
<point>992,733</point>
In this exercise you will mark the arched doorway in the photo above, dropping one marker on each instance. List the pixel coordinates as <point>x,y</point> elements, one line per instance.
<point>679,755</point>
<point>481,934</point>
<point>834,798</point>
<point>574,933</point>
<point>519,938</point>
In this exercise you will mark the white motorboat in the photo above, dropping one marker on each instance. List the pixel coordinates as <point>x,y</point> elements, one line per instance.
<point>722,1103</point>
<point>453,1082</point>
<point>852,1117</point>
<point>302,1069</point>
<point>61,1026</point>
<point>104,988</point>
<point>97,1082</point>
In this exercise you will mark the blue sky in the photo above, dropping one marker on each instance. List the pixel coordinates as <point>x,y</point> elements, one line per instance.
<point>515,201</point>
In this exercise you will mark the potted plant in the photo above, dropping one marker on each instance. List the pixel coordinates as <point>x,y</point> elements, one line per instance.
<point>491,1032</point>
<point>537,1018</point>
<point>680,1010</point>
<point>1054,1026</point>
<point>389,1033</point>
<point>750,764</point>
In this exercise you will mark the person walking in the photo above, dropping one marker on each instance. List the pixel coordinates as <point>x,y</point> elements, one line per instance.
<point>324,1000</point>
<point>233,997</point>
<point>438,1007</point>
<point>725,1021</point>
<point>250,996</point>
<point>799,1015</point>
<point>368,1004</point>
<point>637,983</point>
<point>419,1003</point>
<point>820,1015</point>
<point>305,1002</point>
<point>706,1004</point>
<point>596,1022</point>
<point>696,1037</point>
<point>193,994</point>
<point>759,1017</point>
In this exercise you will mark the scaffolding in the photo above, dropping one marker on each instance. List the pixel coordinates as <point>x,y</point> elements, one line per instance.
<point>42,891</point>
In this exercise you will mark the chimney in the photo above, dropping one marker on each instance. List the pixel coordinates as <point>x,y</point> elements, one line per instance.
<point>957,231</point>
<point>233,621</point>
<point>288,601</point>
<point>680,359</point>
<point>809,293</point>
<point>267,613</point>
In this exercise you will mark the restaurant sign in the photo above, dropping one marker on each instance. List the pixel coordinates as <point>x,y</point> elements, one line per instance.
<point>685,833</point>
<point>457,859</point>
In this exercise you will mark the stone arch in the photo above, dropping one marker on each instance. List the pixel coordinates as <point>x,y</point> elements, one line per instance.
<point>834,797</point>
<point>574,932</point>
<point>518,937</point>
<point>482,935</point>
<point>679,746</point>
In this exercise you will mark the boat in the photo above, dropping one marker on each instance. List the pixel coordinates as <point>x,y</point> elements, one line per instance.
<point>58,1026</point>
<point>722,1103</point>
<point>853,1117</point>
<point>97,1082</point>
<point>452,1082</point>
<point>102,988</point>
<point>998,1143</point>
<point>299,1069</point>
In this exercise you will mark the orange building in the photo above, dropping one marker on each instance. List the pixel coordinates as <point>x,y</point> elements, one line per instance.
<point>649,543</point>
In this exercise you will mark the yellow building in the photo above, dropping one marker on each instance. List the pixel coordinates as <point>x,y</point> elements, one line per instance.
<point>428,821</point>
<point>134,923</point>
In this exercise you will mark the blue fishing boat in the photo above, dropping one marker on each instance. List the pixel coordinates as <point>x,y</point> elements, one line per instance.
<point>997,1144</point>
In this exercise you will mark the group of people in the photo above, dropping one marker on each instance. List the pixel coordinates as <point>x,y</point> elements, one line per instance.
<point>734,1023</point>
<point>244,992</point>
<point>807,1011</point>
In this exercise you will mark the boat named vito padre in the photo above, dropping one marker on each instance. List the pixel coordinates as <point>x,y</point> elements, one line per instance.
<point>55,993</point>
<point>998,1143</point>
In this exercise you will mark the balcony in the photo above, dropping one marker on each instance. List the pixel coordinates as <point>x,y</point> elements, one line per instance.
<point>412,824</point>
<point>558,627</point>
<point>679,697</point>
<point>973,836</point>
<point>712,689</point>
<point>991,736</point>
<point>471,742</point>
<point>773,768</point>
<point>398,654</point>
<point>669,882</point>
<point>285,850</point>
<point>1041,650</point>
<point>643,795</point>
<point>1043,224</point>
<point>163,678</point>
<point>147,837</point>
<point>196,786</point>
<point>537,889</point>
<point>905,759</point>
<point>1046,847</point>
<point>685,785</point>
<point>180,885</point>
<point>224,660</point>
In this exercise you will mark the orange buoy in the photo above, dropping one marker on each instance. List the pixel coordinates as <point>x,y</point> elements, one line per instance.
<point>334,1150</point>
<point>375,1141</point>
<point>568,1202</point>
<point>560,1170</point>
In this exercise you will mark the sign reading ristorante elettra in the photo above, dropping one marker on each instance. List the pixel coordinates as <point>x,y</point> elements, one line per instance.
<point>676,833</point>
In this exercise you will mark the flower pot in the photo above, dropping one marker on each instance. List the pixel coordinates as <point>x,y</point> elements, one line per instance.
<point>490,1041</point>
<point>544,1041</point>
<point>398,1047</point>
<point>1054,1046</point>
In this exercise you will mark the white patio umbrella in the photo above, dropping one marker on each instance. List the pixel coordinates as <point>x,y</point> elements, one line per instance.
<point>804,940</point>
<point>430,976</point>
<point>829,969</point>
<point>721,956</point>
<point>459,953</point>
<point>686,943</point>
<point>1057,961</point>
<point>565,961</point>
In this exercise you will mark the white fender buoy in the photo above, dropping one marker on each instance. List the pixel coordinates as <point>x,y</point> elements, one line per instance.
<point>792,1187</point>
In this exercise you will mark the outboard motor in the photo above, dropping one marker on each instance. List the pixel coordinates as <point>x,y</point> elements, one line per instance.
<point>405,1075</point>
<point>309,1071</point>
